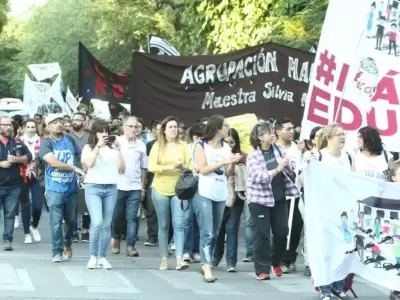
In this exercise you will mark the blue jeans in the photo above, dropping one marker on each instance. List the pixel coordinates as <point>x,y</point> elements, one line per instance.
<point>165,206</point>
<point>209,215</point>
<point>230,227</point>
<point>32,205</point>
<point>337,286</point>
<point>128,202</point>
<point>192,234</point>
<point>100,200</point>
<point>62,206</point>
<point>9,199</point>
<point>248,229</point>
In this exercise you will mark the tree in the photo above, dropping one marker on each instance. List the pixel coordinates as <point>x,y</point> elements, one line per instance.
<point>4,8</point>
<point>235,24</point>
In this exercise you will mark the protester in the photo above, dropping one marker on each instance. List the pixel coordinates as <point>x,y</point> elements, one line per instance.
<point>61,153</point>
<point>13,153</point>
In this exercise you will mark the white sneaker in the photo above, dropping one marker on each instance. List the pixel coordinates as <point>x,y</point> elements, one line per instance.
<point>92,263</point>
<point>103,263</point>
<point>35,234</point>
<point>173,247</point>
<point>186,258</point>
<point>196,257</point>
<point>28,239</point>
<point>17,222</point>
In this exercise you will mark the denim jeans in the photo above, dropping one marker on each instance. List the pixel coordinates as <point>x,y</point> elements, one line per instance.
<point>230,227</point>
<point>100,201</point>
<point>165,206</point>
<point>248,230</point>
<point>32,206</point>
<point>9,200</point>
<point>128,202</point>
<point>209,215</point>
<point>337,286</point>
<point>62,206</point>
<point>192,234</point>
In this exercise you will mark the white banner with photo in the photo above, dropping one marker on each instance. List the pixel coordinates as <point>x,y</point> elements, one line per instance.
<point>356,81</point>
<point>44,71</point>
<point>35,95</point>
<point>352,226</point>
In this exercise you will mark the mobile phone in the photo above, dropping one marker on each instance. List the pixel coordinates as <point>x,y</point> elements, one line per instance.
<point>111,138</point>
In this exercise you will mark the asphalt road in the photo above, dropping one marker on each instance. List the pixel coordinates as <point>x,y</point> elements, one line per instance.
<point>28,273</point>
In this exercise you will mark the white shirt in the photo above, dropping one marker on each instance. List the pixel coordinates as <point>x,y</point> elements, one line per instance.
<point>372,166</point>
<point>105,168</point>
<point>215,184</point>
<point>343,161</point>
<point>135,157</point>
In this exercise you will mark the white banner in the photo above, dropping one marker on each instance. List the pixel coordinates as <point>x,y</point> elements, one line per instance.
<point>352,226</point>
<point>70,99</point>
<point>44,71</point>
<point>35,94</point>
<point>55,92</point>
<point>356,79</point>
<point>101,109</point>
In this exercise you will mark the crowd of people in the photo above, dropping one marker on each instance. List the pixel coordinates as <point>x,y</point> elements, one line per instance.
<point>100,178</point>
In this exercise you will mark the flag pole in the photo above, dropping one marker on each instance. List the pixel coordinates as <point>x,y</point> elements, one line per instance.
<point>148,43</point>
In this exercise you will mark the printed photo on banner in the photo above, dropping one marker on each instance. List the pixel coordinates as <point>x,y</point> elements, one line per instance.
<point>352,226</point>
<point>243,124</point>
<point>359,84</point>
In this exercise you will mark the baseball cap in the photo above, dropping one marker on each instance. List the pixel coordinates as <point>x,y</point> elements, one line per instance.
<point>52,117</point>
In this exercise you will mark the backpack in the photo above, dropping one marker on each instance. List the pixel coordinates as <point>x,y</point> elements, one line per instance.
<point>348,286</point>
<point>41,164</point>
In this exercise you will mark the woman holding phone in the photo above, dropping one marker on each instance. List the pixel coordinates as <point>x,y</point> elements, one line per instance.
<point>101,156</point>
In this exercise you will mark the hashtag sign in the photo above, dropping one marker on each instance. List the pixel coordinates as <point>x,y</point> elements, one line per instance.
<point>326,67</point>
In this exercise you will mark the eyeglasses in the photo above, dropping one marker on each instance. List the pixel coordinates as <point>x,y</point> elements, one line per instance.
<point>6,125</point>
<point>132,126</point>
<point>341,134</point>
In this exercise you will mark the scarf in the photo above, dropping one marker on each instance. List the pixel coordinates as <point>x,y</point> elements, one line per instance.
<point>28,171</point>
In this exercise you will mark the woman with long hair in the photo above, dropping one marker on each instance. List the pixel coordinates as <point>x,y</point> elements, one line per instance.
<point>31,206</point>
<point>330,142</point>
<point>214,162</point>
<point>168,158</point>
<point>270,182</point>
<point>103,160</point>
<point>233,209</point>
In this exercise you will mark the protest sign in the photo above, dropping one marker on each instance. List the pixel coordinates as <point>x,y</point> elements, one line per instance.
<point>243,125</point>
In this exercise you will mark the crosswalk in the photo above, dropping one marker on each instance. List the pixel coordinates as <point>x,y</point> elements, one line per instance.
<point>54,281</point>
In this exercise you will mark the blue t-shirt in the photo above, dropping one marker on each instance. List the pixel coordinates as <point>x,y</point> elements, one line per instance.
<point>60,181</point>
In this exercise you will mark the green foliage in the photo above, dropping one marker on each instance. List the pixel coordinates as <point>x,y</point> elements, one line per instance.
<point>111,29</point>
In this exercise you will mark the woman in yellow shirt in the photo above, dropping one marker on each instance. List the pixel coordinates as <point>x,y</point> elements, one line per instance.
<point>168,158</point>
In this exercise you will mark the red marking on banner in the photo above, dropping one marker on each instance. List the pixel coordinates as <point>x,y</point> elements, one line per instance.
<point>342,77</point>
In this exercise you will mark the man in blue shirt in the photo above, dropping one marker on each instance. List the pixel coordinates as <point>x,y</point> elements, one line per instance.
<point>60,154</point>
<point>13,153</point>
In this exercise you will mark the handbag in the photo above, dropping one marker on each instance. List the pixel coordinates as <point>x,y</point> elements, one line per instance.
<point>187,185</point>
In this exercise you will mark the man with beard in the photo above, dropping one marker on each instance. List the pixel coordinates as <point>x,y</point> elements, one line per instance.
<point>80,137</point>
<point>13,153</point>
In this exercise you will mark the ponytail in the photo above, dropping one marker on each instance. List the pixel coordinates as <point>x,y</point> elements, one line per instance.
<point>320,140</point>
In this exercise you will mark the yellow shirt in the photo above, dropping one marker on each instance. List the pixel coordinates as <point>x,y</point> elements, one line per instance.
<point>164,182</point>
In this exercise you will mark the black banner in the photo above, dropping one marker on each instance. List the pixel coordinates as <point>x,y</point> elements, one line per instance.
<point>97,82</point>
<point>269,80</point>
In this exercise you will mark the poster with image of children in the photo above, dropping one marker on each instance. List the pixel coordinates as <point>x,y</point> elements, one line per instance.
<point>383,26</point>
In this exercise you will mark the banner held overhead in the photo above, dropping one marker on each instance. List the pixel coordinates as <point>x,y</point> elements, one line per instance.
<point>269,80</point>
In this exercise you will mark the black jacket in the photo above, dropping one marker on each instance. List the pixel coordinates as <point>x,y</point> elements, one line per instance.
<point>11,177</point>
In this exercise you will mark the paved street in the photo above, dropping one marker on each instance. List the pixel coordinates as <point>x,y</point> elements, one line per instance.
<point>27,273</point>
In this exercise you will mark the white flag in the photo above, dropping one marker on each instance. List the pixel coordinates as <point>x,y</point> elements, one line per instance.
<point>35,94</point>
<point>55,92</point>
<point>70,99</point>
<point>352,226</point>
<point>45,71</point>
<point>101,109</point>
<point>160,46</point>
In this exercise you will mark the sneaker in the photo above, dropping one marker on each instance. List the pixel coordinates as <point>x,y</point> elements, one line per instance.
<point>164,264</point>
<point>131,251</point>
<point>116,246</point>
<point>28,239</point>
<point>7,246</point>
<point>277,271</point>
<point>307,271</point>
<point>92,263</point>
<point>151,242</point>
<point>173,247</point>
<point>248,258</point>
<point>85,237</point>
<point>102,263</point>
<point>285,269</point>
<point>394,295</point>
<point>181,264</point>
<point>231,269</point>
<point>187,258</point>
<point>292,268</point>
<point>196,258</point>
<point>75,237</point>
<point>343,296</point>
<point>17,222</point>
<point>263,276</point>
<point>56,258</point>
<point>67,254</point>
<point>35,234</point>
<point>326,297</point>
